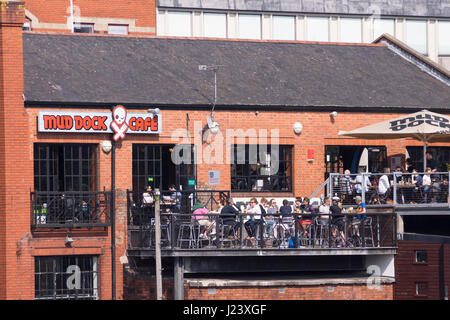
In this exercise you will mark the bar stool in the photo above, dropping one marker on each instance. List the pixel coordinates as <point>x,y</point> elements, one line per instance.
<point>165,235</point>
<point>189,232</point>
<point>286,232</point>
<point>368,231</point>
<point>226,229</point>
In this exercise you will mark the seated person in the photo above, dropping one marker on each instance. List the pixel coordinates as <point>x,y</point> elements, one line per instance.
<point>297,204</point>
<point>416,179</point>
<point>337,219</point>
<point>384,185</point>
<point>286,215</point>
<point>426,182</point>
<point>268,219</point>
<point>175,199</point>
<point>307,211</point>
<point>324,211</point>
<point>409,165</point>
<point>228,214</point>
<point>360,184</point>
<point>272,210</point>
<point>360,209</point>
<point>255,217</point>
<point>148,201</point>
<point>199,210</point>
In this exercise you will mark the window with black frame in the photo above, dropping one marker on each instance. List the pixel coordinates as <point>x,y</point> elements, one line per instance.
<point>65,167</point>
<point>66,277</point>
<point>260,168</point>
<point>153,165</point>
<point>65,185</point>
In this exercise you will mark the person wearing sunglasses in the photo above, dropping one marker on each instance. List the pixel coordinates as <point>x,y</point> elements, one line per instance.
<point>254,210</point>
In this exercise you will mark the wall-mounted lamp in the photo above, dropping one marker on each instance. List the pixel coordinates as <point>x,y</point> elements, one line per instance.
<point>333,114</point>
<point>154,111</point>
<point>298,128</point>
<point>215,128</point>
<point>106,146</point>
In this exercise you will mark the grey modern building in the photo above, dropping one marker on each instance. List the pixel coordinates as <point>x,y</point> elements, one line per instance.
<point>423,25</point>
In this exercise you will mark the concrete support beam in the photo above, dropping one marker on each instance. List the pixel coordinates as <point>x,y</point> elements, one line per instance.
<point>178,273</point>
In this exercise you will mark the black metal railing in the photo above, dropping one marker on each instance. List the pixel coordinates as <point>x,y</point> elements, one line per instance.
<point>273,231</point>
<point>399,189</point>
<point>172,201</point>
<point>70,209</point>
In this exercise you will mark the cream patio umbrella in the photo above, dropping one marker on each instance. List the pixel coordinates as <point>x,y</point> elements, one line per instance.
<point>424,125</point>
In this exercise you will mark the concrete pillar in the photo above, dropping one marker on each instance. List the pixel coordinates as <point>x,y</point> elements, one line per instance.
<point>367,30</point>
<point>400,29</point>
<point>432,40</point>
<point>334,29</point>
<point>197,24</point>
<point>178,274</point>
<point>232,22</point>
<point>161,18</point>
<point>266,27</point>
<point>300,32</point>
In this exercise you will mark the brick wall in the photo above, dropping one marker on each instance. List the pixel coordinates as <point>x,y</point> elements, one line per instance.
<point>141,287</point>
<point>18,245</point>
<point>446,271</point>
<point>54,13</point>
<point>408,272</point>
<point>322,292</point>
<point>15,165</point>
<point>308,175</point>
<point>318,132</point>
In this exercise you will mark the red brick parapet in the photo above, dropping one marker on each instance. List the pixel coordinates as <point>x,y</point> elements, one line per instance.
<point>12,13</point>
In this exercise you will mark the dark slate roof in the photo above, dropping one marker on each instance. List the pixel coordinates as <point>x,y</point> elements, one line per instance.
<point>81,69</point>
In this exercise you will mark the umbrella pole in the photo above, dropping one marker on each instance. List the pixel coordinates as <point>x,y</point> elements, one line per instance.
<point>424,155</point>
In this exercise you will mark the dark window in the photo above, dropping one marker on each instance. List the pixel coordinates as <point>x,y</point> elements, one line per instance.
<point>66,277</point>
<point>421,288</point>
<point>341,158</point>
<point>421,256</point>
<point>65,167</point>
<point>440,154</point>
<point>152,164</point>
<point>83,27</point>
<point>261,168</point>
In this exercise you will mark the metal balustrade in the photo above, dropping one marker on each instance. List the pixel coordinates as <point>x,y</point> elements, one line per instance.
<point>418,189</point>
<point>351,230</point>
<point>70,209</point>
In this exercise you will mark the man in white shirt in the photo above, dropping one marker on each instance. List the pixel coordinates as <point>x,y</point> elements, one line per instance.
<point>426,183</point>
<point>255,216</point>
<point>324,211</point>
<point>359,183</point>
<point>383,183</point>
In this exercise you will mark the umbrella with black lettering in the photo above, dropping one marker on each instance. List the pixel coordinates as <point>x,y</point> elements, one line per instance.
<point>424,125</point>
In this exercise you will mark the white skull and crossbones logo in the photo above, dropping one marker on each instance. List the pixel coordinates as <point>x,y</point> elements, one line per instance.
<point>119,124</point>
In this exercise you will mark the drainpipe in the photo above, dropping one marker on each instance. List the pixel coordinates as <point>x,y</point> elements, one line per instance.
<point>113,218</point>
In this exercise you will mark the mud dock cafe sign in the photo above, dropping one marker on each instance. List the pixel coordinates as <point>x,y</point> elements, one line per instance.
<point>119,122</point>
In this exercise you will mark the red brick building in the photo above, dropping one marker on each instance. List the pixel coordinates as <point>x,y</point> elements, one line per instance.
<point>79,79</point>
<point>110,17</point>
<point>422,268</point>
